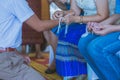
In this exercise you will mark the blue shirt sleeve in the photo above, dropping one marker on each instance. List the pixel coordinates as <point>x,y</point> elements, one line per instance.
<point>117,10</point>
<point>20,9</point>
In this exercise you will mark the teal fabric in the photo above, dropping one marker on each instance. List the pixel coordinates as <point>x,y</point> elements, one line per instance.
<point>100,53</point>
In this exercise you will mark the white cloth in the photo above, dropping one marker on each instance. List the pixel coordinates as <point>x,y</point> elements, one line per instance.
<point>91,73</point>
<point>51,54</point>
<point>12,67</point>
<point>12,15</point>
<point>118,54</point>
<point>89,6</point>
<point>53,9</point>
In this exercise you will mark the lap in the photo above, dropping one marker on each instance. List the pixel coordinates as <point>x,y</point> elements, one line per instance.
<point>108,42</point>
<point>12,67</point>
<point>74,32</point>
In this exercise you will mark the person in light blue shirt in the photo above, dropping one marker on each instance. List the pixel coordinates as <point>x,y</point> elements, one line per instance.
<point>99,49</point>
<point>13,14</point>
<point>117,7</point>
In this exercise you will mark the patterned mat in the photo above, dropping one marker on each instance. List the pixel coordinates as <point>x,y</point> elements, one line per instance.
<point>41,65</point>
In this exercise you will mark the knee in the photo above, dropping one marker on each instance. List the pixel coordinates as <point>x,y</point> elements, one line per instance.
<point>92,47</point>
<point>82,45</point>
<point>53,36</point>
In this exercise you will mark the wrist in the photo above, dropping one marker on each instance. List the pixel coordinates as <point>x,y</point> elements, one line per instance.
<point>64,13</point>
<point>115,28</point>
<point>79,19</point>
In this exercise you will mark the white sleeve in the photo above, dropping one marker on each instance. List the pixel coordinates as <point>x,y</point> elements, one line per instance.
<point>20,9</point>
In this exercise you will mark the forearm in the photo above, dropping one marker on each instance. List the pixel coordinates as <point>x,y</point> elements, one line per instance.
<point>60,5</point>
<point>46,25</point>
<point>115,28</point>
<point>40,25</point>
<point>74,7</point>
<point>69,12</point>
<point>86,19</point>
<point>102,12</point>
<point>112,19</point>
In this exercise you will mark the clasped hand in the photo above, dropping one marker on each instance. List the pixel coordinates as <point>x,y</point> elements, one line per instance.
<point>67,18</point>
<point>98,28</point>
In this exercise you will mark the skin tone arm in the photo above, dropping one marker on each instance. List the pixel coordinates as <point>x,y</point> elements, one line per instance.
<point>111,20</point>
<point>105,29</point>
<point>102,13</point>
<point>40,25</point>
<point>75,8</point>
<point>58,3</point>
<point>59,14</point>
<point>106,26</point>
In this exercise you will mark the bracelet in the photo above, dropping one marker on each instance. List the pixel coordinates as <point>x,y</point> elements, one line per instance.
<point>81,19</point>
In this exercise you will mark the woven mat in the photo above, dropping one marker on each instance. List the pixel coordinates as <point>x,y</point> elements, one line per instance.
<point>41,65</point>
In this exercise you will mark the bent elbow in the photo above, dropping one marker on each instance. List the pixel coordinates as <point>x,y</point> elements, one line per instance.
<point>105,17</point>
<point>102,17</point>
<point>40,29</point>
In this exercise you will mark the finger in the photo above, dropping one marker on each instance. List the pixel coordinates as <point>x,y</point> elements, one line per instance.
<point>28,60</point>
<point>63,19</point>
<point>98,32</point>
<point>54,17</point>
<point>59,14</point>
<point>67,19</point>
<point>89,27</point>
<point>88,24</point>
<point>92,24</point>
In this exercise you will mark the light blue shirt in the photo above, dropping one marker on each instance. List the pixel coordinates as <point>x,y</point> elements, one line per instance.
<point>117,10</point>
<point>12,15</point>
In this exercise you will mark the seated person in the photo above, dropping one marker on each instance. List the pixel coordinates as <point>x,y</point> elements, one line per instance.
<point>13,65</point>
<point>67,53</point>
<point>100,48</point>
<point>49,35</point>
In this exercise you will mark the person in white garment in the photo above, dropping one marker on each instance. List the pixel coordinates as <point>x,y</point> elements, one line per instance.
<point>94,10</point>
<point>14,66</point>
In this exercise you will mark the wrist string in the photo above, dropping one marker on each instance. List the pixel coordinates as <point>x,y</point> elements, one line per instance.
<point>86,33</point>
<point>66,29</point>
<point>59,26</point>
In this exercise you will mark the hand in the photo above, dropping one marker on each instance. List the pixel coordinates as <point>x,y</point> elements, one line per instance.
<point>26,59</point>
<point>104,29</point>
<point>69,19</point>
<point>92,25</point>
<point>58,14</point>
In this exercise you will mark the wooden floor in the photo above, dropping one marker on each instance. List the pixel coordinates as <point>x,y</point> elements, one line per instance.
<point>41,65</point>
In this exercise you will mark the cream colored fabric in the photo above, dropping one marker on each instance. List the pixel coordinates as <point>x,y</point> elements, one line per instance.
<point>12,67</point>
<point>89,6</point>
<point>53,9</point>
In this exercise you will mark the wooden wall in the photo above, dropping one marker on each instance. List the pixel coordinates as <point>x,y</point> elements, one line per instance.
<point>45,14</point>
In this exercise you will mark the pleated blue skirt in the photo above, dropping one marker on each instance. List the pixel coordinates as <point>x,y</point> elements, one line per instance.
<point>69,61</point>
